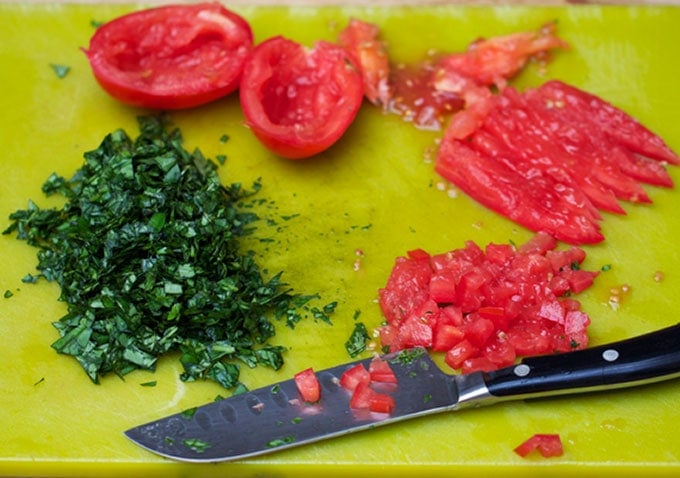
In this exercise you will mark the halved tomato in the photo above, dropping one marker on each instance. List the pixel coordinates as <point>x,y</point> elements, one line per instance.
<point>299,101</point>
<point>171,57</point>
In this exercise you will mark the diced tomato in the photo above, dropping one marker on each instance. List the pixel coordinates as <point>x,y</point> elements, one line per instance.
<point>406,289</point>
<point>298,101</point>
<point>459,353</point>
<point>361,40</point>
<point>509,302</point>
<point>414,332</point>
<point>579,280</point>
<point>380,371</point>
<point>365,398</point>
<point>478,329</point>
<point>446,336</point>
<point>171,57</point>
<point>478,364</point>
<point>548,445</point>
<point>354,376</point>
<point>308,385</point>
<point>443,288</point>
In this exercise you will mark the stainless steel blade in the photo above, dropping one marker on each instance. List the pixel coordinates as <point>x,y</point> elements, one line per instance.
<point>274,417</point>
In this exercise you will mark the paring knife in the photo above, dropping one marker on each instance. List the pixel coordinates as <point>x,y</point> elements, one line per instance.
<point>274,417</point>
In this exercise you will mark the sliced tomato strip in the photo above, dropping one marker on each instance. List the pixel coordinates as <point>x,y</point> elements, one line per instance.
<point>352,377</point>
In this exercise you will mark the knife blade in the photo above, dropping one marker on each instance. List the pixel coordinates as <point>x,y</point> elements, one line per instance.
<point>274,417</point>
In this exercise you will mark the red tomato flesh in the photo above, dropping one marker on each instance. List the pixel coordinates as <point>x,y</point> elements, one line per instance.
<point>365,398</point>
<point>352,377</point>
<point>380,371</point>
<point>298,101</point>
<point>507,302</point>
<point>548,445</point>
<point>550,158</point>
<point>308,385</point>
<point>171,57</point>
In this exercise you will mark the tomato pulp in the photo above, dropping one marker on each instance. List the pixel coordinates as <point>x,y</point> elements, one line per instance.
<point>171,57</point>
<point>299,101</point>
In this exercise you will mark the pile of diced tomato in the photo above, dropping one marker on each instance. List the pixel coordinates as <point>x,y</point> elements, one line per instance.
<point>485,307</point>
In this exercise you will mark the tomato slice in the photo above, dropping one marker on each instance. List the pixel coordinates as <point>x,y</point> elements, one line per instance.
<point>308,385</point>
<point>548,445</point>
<point>171,57</point>
<point>299,101</point>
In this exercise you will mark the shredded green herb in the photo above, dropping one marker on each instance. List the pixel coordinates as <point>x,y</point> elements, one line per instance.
<point>357,340</point>
<point>146,251</point>
<point>288,439</point>
<point>196,444</point>
<point>8,293</point>
<point>60,70</point>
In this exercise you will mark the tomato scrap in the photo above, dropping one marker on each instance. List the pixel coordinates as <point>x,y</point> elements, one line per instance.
<point>484,308</point>
<point>308,385</point>
<point>361,40</point>
<point>552,157</point>
<point>430,92</point>
<point>171,57</point>
<point>299,101</point>
<point>548,445</point>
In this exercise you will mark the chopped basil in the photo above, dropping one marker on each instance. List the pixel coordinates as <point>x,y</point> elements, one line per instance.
<point>146,250</point>
<point>8,293</point>
<point>357,340</point>
<point>197,445</point>
<point>408,356</point>
<point>151,383</point>
<point>296,420</point>
<point>60,70</point>
<point>189,412</point>
<point>606,267</point>
<point>281,441</point>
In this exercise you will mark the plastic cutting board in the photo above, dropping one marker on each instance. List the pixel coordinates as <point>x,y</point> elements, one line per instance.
<point>376,192</point>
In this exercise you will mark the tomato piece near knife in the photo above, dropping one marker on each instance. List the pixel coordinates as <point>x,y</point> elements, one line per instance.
<point>171,57</point>
<point>308,385</point>
<point>299,101</point>
<point>547,444</point>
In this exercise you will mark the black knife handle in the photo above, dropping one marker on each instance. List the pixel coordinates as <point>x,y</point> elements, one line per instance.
<point>644,359</point>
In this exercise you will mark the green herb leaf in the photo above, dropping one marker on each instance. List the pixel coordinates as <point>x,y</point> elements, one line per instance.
<point>147,253</point>
<point>357,340</point>
<point>196,444</point>
<point>60,70</point>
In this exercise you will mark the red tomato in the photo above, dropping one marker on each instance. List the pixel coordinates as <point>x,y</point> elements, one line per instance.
<point>308,385</point>
<point>380,371</point>
<point>360,39</point>
<point>365,398</point>
<point>508,302</point>
<point>171,57</point>
<point>548,445</point>
<point>298,101</point>
<point>354,376</point>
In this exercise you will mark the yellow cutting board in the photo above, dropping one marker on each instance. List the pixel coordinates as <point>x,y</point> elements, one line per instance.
<point>374,191</point>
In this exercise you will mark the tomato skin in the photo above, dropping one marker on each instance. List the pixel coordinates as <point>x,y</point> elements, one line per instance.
<point>172,56</point>
<point>308,385</point>
<point>548,445</point>
<point>297,101</point>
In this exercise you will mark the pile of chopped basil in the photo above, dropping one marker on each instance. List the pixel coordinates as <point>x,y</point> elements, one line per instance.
<point>146,252</point>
